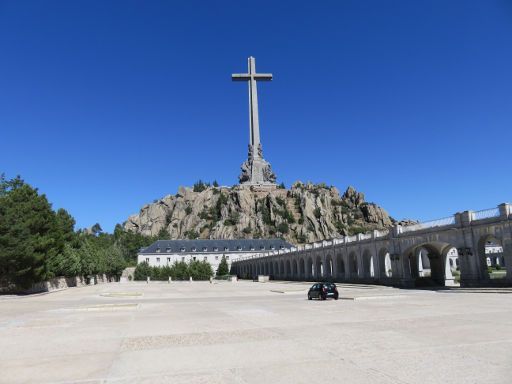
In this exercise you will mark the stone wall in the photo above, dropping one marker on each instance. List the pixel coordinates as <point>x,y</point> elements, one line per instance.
<point>57,283</point>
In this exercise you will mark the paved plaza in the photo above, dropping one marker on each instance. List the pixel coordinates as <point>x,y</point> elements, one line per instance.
<point>249,332</point>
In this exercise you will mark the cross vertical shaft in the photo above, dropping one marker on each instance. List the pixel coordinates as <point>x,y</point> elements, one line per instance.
<point>254,124</point>
<point>255,171</point>
<point>254,121</point>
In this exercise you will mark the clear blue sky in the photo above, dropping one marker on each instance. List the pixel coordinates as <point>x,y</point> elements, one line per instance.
<point>108,105</point>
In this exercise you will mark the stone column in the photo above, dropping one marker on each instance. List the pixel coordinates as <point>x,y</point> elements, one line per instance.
<point>404,271</point>
<point>376,258</point>
<point>507,256</point>
<point>345,258</point>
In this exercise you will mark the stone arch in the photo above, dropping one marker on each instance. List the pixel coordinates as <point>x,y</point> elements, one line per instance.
<point>385,266</point>
<point>282,271</point>
<point>367,263</point>
<point>276,269</point>
<point>426,264</point>
<point>490,256</point>
<point>288,272</point>
<point>340,266</point>
<point>329,267</point>
<point>310,273</point>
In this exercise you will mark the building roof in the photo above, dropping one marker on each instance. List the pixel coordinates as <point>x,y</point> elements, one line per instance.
<point>206,245</point>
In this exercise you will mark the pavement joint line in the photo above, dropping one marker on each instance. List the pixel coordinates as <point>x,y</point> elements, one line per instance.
<point>106,307</point>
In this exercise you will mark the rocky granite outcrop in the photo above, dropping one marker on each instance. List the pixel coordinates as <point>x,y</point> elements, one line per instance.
<point>304,213</point>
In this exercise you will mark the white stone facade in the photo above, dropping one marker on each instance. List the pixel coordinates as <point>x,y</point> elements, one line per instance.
<point>162,259</point>
<point>167,252</point>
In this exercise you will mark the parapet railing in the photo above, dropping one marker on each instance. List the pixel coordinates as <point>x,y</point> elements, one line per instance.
<point>486,213</point>
<point>430,224</point>
<point>382,233</point>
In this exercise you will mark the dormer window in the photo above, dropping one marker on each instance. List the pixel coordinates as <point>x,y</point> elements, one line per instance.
<point>272,247</point>
<point>239,248</point>
<point>205,249</point>
<point>226,249</point>
<point>193,249</point>
<point>182,249</point>
<point>168,249</point>
<point>158,250</point>
<point>215,249</point>
<point>251,247</point>
<point>281,247</point>
<point>262,247</point>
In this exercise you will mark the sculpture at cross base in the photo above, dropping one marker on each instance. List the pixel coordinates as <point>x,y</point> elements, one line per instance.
<point>255,170</point>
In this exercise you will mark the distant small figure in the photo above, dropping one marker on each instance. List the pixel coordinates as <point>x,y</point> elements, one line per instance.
<point>211,280</point>
<point>170,279</point>
<point>147,280</point>
<point>190,278</point>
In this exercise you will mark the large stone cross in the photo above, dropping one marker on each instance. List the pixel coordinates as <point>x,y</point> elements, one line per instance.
<point>254,125</point>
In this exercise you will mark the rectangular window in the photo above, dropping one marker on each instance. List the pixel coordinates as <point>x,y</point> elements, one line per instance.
<point>168,259</point>
<point>157,259</point>
<point>182,258</point>
<point>217,257</point>
<point>205,258</point>
<point>227,257</point>
<point>147,259</point>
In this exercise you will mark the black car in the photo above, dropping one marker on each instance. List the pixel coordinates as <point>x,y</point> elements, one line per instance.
<point>322,291</point>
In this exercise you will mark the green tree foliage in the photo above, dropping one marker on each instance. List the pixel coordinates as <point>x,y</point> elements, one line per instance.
<point>198,270</point>
<point>130,243</point>
<point>30,234</point>
<point>216,210</point>
<point>223,269</point>
<point>96,229</point>
<point>142,271</point>
<point>265,212</point>
<point>191,234</point>
<point>37,243</point>
<point>163,234</point>
<point>283,228</point>
<point>200,186</point>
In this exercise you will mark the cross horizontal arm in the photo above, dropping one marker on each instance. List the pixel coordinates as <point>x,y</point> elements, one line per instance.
<point>240,77</point>
<point>263,76</point>
<point>247,76</point>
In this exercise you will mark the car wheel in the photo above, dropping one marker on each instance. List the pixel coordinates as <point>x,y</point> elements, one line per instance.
<point>323,297</point>
<point>336,297</point>
<point>309,297</point>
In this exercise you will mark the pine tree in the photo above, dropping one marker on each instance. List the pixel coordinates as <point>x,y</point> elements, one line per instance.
<point>223,268</point>
<point>27,234</point>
